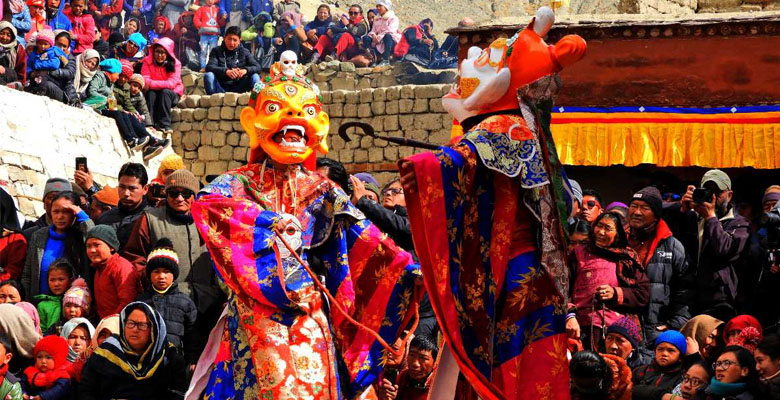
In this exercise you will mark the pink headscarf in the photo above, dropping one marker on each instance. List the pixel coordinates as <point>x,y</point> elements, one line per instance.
<point>30,310</point>
<point>292,14</point>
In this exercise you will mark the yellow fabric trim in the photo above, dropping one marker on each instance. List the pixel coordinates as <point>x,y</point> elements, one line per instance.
<point>665,144</point>
<point>113,359</point>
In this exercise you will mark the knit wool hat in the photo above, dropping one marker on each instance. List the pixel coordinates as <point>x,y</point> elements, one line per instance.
<point>106,233</point>
<point>111,65</point>
<point>182,178</point>
<point>139,40</point>
<point>137,78</point>
<point>370,182</point>
<point>56,346</point>
<point>674,338</point>
<point>163,256</point>
<point>576,190</point>
<point>108,195</point>
<point>45,35</point>
<point>172,162</point>
<point>57,185</point>
<point>652,196</point>
<point>386,3</point>
<point>627,328</point>
<point>78,294</point>
<point>127,68</point>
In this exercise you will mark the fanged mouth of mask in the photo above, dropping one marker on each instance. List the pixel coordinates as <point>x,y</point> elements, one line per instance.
<point>292,138</point>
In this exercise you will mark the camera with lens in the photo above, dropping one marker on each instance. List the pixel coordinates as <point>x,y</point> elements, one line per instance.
<point>702,195</point>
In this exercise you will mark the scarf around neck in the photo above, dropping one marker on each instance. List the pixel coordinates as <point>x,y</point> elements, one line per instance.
<point>83,74</point>
<point>725,389</point>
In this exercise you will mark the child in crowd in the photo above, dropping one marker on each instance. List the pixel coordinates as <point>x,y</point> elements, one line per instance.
<point>84,29</point>
<point>208,20</point>
<point>121,90</point>
<point>162,28</point>
<point>176,308</point>
<point>188,40</point>
<point>138,99</point>
<point>76,301</point>
<point>661,376</point>
<point>47,56</point>
<point>10,389</point>
<point>116,281</point>
<point>48,379</point>
<point>60,276</point>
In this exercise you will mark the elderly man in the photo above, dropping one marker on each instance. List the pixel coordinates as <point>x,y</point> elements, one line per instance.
<point>174,221</point>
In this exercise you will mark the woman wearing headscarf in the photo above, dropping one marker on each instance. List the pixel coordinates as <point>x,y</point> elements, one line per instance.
<point>13,245</point>
<point>108,326</point>
<point>78,332</point>
<point>608,281</point>
<point>30,309</point>
<point>139,362</point>
<point>703,329</point>
<point>384,33</point>
<point>86,68</point>
<point>417,43</point>
<point>289,33</point>
<point>19,327</point>
<point>13,57</point>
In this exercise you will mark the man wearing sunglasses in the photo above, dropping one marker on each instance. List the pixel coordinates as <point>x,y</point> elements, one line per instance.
<point>592,205</point>
<point>174,221</point>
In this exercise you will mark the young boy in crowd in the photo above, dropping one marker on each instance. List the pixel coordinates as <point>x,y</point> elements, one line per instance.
<point>47,56</point>
<point>661,376</point>
<point>138,99</point>
<point>60,276</point>
<point>208,21</point>
<point>177,309</point>
<point>48,379</point>
<point>10,389</point>
<point>116,281</point>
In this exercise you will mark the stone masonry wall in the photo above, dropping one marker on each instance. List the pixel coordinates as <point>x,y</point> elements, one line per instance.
<point>208,135</point>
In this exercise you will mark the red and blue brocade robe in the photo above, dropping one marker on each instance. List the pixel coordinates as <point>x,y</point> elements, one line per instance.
<point>282,338</point>
<point>490,249</point>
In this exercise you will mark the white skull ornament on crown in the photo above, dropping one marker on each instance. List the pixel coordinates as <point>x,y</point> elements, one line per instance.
<point>291,232</point>
<point>289,61</point>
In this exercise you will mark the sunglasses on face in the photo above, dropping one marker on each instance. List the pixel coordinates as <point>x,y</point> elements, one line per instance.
<point>392,192</point>
<point>353,13</point>
<point>591,203</point>
<point>174,193</point>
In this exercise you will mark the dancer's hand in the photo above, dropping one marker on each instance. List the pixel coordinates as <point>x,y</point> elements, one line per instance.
<point>408,178</point>
<point>573,328</point>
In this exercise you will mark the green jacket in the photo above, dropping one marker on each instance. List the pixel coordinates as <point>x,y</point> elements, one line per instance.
<point>99,86</point>
<point>122,95</point>
<point>10,391</point>
<point>49,308</point>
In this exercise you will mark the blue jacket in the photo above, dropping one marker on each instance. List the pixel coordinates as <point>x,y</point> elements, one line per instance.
<point>58,20</point>
<point>48,61</point>
<point>259,6</point>
<point>22,22</point>
<point>147,11</point>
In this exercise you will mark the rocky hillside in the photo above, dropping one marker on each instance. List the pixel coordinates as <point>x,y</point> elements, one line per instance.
<point>447,13</point>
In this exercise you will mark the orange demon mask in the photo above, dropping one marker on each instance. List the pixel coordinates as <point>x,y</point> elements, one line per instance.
<point>285,120</point>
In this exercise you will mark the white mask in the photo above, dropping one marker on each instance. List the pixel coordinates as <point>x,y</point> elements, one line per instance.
<point>289,61</point>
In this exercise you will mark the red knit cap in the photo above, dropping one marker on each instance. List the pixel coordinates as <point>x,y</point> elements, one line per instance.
<point>127,68</point>
<point>56,346</point>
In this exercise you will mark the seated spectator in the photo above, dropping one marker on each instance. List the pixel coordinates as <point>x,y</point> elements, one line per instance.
<point>48,378</point>
<point>447,55</point>
<point>86,68</point>
<point>132,201</point>
<point>161,29</point>
<point>767,357</point>
<point>116,281</point>
<point>102,97</point>
<point>661,376</point>
<point>114,370</point>
<point>370,16</point>
<point>76,301</point>
<point>107,15</point>
<point>318,26</point>
<point>52,188</point>
<point>78,332</point>
<point>20,18</point>
<point>132,25</point>
<point>64,238</point>
<point>695,381</point>
<point>284,6</point>
<point>258,36</point>
<point>735,375</point>
<point>384,33</point>
<point>11,291</point>
<point>65,76</point>
<point>37,17</point>
<point>20,328</point>
<point>13,245</point>
<point>108,326</point>
<point>103,201</point>
<point>208,19</point>
<point>172,9</point>
<point>623,339</point>
<point>231,67</point>
<point>162,73</point>
<point>45,59</point>
<point>608,281</point>
<point>413,382</point>
<point>289,34</point>
<point>60,274</point>
<point>707,339</point>
<point>162,293</point>
<point>186,36</point>
<point>139,12</point>
<point>579,232</point>
<point>84,28</point>
<point>342,38</point>
<point>13,57</point>
<point>132,49</point>
<point>10,388</point>
<point>417,44</point>
<point>137,98</point>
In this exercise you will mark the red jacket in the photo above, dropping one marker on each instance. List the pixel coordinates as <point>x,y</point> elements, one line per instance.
<point>403,45</point>
<point>13,248</point>
<point>205,20</point>
<point>83,30</point>
<point>116,285</point>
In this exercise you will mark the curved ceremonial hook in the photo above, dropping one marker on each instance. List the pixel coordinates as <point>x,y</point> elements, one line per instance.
<point>369,130</point>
